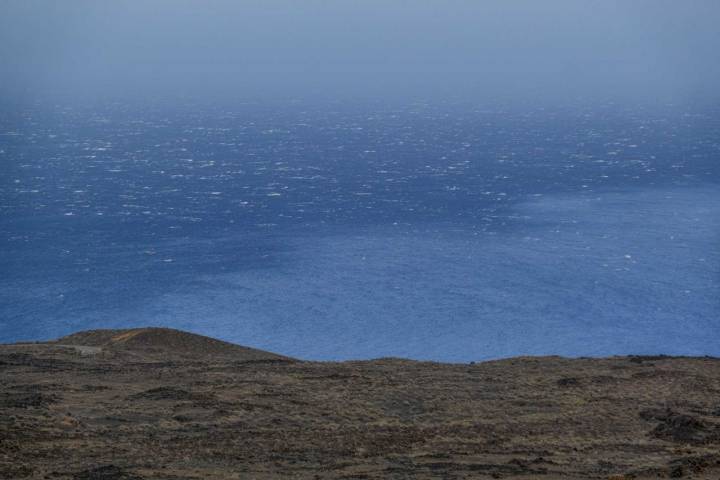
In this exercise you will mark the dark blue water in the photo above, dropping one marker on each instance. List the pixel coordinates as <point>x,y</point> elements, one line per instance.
<point>433,231</point>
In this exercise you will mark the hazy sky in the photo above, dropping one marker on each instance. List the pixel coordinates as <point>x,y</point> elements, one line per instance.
<point>423,48</point>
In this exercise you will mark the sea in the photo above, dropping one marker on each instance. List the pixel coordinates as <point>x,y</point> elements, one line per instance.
<point>438,231</point>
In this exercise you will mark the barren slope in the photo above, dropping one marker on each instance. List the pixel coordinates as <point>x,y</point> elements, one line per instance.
<point>123,408</point>
<point>163,343</point>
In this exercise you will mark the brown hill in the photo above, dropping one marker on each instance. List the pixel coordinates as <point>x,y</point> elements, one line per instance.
<point>129,405</point>
<point>163,344</point>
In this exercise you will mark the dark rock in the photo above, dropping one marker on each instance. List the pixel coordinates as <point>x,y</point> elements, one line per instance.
<point>647,358</point>
<point>11,471</point>
<point>16,359</point>
<point>26,400</point>
<point>680,428</point>
<point>676,471</point>
<point>656,414</point>
<point>95,388</point>
<point>106,472</point>
<point>688,465</point>
<point>162,393</point>
<point>569,382</point>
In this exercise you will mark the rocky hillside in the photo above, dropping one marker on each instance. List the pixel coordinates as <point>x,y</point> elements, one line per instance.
<point>162,343</point>
<point>163,404</point>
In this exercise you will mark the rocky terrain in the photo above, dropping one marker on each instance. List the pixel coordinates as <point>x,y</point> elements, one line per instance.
<point>163,404</point>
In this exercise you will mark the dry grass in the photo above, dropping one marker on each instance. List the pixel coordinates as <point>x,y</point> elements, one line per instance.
<point>66,415</point>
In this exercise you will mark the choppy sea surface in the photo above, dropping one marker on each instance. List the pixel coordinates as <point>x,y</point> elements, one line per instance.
<point>430,231</point>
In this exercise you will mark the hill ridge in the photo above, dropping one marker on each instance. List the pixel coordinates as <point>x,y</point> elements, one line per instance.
<point>164,342</point>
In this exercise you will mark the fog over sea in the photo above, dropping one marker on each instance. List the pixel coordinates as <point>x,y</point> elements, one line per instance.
<point>428,230</point>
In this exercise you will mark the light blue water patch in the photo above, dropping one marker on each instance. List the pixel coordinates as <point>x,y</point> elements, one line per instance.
<point>636,271</point>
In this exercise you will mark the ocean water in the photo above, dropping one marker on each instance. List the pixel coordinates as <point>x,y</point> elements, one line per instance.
<point>429,231</point>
